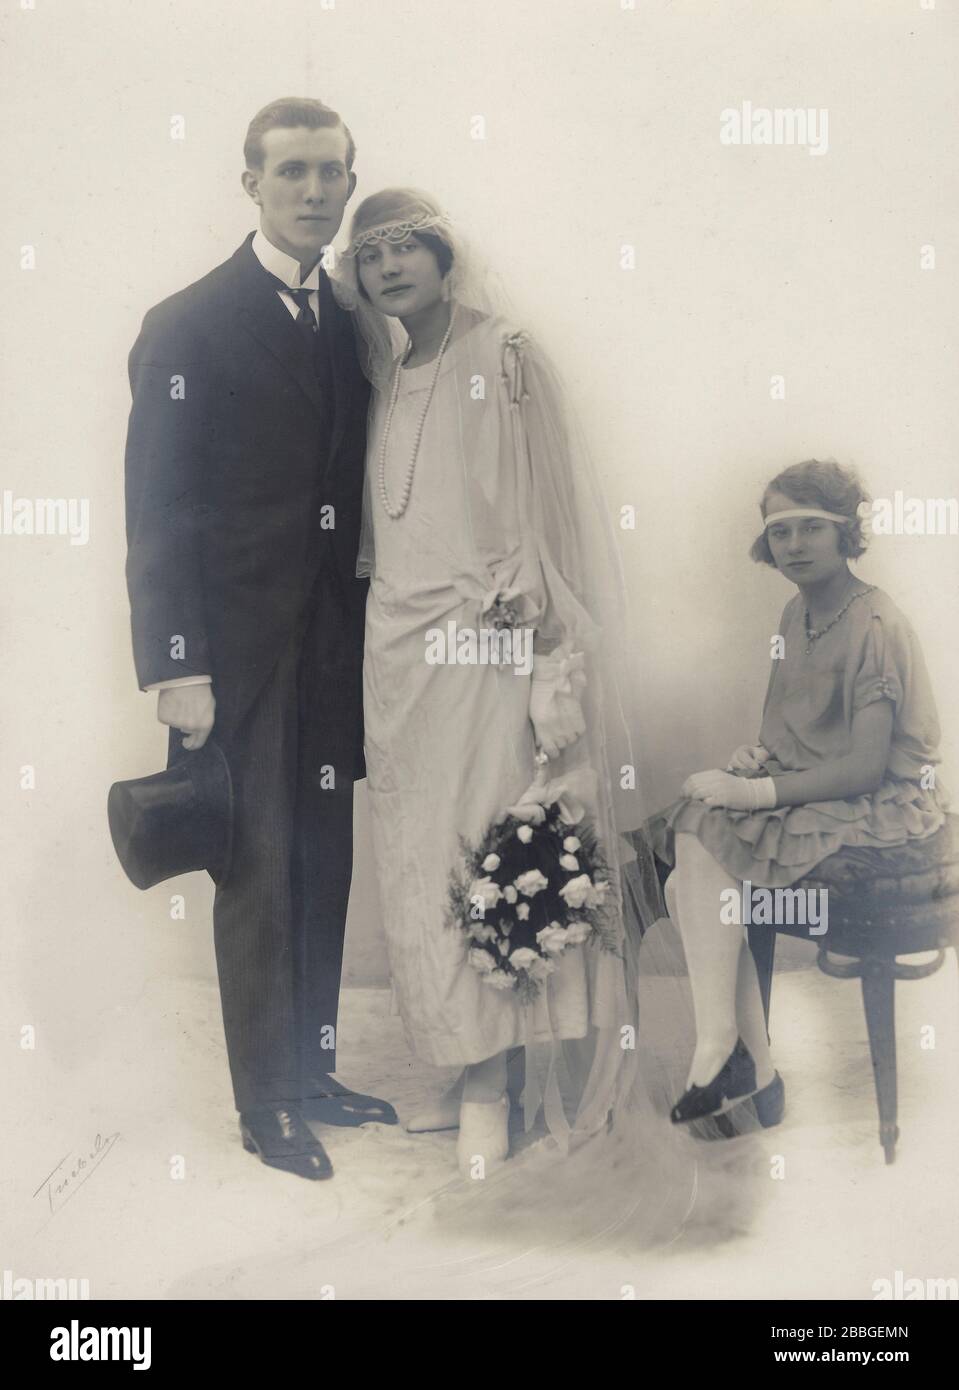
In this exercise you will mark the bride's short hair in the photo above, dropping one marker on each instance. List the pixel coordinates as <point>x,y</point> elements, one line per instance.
<point>825,485</point>
<point>401,205</point>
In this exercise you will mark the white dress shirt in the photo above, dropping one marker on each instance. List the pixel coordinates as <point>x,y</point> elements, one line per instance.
<point>287,269</point>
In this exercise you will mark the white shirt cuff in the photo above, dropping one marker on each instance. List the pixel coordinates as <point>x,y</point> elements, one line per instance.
<point>180,680</point>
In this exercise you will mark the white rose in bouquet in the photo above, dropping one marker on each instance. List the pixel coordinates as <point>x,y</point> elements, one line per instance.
<point>533,882</point>
<point>485,889</point>
<point>576,893</point>
<point>481,960</point>
<point>541,968</point>
<point>491,863</point>
<point>569,862</point>
<point>577,933</point>
<point>571,844</point>
<point>552,939</point>
<point>522,911</point>
<point>524,959</point>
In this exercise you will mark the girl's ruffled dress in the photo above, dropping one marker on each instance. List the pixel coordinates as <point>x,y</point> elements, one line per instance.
<point>871,654</point>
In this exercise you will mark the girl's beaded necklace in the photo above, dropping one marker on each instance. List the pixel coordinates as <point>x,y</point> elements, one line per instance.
<point>812,634</point>
<point>396,512</point>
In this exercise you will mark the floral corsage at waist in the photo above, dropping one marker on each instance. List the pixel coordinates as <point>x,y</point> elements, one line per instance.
<point>504,609</point>
<point>535,886</point>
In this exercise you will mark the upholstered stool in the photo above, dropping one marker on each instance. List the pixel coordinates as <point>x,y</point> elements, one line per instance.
<point>883,903</point>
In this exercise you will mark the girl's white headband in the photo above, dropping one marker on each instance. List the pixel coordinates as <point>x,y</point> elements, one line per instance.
<point>805,511</point>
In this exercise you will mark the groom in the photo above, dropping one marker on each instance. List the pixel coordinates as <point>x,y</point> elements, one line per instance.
<point>244,469</point>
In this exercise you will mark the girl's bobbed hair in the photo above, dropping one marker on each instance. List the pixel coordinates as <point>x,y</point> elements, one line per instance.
<point>828,486</point>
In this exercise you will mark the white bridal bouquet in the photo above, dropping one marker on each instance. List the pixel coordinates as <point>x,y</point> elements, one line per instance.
<point>535,886</point>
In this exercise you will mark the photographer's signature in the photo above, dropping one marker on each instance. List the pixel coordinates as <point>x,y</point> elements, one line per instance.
<point>73,1170</point>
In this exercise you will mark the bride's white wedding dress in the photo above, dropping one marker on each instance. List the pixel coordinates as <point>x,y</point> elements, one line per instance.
<point>450,746</point>
<point>503,499</point>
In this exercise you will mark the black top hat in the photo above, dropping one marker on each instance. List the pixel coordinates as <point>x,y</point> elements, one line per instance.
<point>175,821</point>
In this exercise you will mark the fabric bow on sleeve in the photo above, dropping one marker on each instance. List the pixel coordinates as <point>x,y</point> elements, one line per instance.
<point>514,346</point>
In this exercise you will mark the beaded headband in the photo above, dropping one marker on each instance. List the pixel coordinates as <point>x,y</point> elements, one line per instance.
<point>805,511</point>
<point>397,231</point>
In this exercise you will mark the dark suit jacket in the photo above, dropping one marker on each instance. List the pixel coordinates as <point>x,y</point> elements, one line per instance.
<point>233,446</point>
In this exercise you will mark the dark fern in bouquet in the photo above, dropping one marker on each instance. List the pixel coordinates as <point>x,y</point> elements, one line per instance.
<point>534,887</point>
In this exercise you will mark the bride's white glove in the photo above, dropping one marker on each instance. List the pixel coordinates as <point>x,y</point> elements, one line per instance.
<point>718,788</point>
<point>554,706</point>
<point>748,757</point>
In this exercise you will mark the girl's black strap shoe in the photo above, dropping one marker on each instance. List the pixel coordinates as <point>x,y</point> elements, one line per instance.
<point>766,1108</point>
<point>736,1078</point>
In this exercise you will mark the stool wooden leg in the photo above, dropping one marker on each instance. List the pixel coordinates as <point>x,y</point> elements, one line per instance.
<point>878,997</point>
<point>762,943</point>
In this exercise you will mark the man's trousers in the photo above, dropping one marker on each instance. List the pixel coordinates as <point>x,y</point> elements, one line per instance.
<point>279,917</point>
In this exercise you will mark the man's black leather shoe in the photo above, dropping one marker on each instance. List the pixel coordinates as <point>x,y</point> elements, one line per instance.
<point>330,1103</point>
<point>282,1140</point>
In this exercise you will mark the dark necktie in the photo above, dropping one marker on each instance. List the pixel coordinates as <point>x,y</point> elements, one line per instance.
<point>305,320</point>
<point>306,325</point>
<point>305,316</point>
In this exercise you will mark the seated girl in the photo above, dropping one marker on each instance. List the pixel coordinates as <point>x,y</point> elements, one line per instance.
<point>845,757</point>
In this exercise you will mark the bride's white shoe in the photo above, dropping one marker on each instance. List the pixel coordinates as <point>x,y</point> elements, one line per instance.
<point>443,1114</point>
<point>483,1142</point>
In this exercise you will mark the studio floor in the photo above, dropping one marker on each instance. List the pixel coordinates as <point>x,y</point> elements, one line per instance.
<point>168,1205</point>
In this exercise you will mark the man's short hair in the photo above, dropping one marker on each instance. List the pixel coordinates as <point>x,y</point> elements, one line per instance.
<point>286,114</point>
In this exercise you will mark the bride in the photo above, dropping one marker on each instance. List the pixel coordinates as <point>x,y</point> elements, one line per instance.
<point>481,519</point>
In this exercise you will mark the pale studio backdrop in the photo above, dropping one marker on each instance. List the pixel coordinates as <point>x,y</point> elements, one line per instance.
<point>601,132</point>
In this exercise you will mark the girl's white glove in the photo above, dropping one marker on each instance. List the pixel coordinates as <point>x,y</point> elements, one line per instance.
<point>748,757</point>
<point>554,706</point>
<point>718,788</point>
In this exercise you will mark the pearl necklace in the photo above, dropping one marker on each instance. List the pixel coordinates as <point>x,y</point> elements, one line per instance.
<point>813,633</point>
<point>396,512</point>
